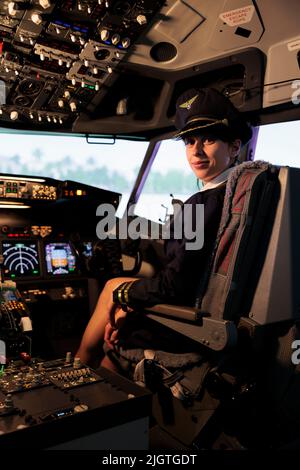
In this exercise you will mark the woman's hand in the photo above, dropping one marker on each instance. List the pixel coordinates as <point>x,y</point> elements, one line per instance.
<point>112,330</point>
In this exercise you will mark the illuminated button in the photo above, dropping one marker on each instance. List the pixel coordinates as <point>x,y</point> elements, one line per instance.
<point>104,34</point>
<point>14,115</point>
<point>125,43</point>
<point>44,4</point>
<point>141,19</point>
<point>36,18</point>
<point>11,8</point>
<point>80,408</point>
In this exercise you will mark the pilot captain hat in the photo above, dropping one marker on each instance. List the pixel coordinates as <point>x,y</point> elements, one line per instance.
<point>206,110</point>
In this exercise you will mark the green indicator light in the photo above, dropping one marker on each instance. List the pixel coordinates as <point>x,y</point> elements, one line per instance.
<point>13,275</point>
<point>35,272</point>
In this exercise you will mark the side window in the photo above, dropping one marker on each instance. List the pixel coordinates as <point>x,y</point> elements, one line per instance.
<point>170,176</point>
<point>279,144</point>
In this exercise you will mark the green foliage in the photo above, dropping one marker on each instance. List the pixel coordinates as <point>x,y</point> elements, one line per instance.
<point>174,181</point>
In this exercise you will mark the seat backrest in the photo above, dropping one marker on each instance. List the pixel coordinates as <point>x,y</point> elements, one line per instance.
<point>251,194</point>
<point>277,294</point>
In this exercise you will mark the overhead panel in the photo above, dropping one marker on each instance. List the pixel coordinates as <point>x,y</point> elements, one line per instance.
<point>183,19</point>
<point>283,83</point>
<point>58,58</point>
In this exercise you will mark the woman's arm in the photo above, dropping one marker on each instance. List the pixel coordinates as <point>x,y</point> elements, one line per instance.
<point>90,346</point>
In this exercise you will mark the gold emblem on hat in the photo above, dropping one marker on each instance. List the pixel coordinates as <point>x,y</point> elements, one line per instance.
<point>188,104</point>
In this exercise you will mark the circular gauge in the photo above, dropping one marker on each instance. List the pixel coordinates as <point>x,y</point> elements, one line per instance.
<point>20,259</point>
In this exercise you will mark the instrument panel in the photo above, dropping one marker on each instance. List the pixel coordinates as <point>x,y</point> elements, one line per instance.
<point>58,58</point>
<point>35,258</point>
<point>53,236</point>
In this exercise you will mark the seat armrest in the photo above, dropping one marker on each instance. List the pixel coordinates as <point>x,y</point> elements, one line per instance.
<point>176,311</point>
<point>188,321</point>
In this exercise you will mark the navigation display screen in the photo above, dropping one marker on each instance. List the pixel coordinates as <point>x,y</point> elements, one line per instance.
<point>21,259</point>
<point>60,259</point>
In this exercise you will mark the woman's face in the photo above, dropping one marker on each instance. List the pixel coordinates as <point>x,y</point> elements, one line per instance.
<point>209,156</point>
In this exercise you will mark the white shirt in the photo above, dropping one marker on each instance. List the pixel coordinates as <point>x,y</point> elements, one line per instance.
<point>218,180</point>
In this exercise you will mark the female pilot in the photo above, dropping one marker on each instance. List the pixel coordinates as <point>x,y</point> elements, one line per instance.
<point>213,132</point>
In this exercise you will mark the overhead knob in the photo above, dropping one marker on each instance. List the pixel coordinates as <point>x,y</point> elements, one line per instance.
<point>60,103</point>
<point>73,106</point>
<point>36,18</point>
<point>12,8</point>
<point>104,34</point>
<point>14,115</point>
<point>141,19</point>
<point>125,43</point>
<point>115,39</point>
<point>45,4</point>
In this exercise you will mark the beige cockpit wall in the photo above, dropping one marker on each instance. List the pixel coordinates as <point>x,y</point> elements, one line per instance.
<point>216,28</point>
<point>249,50</point>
